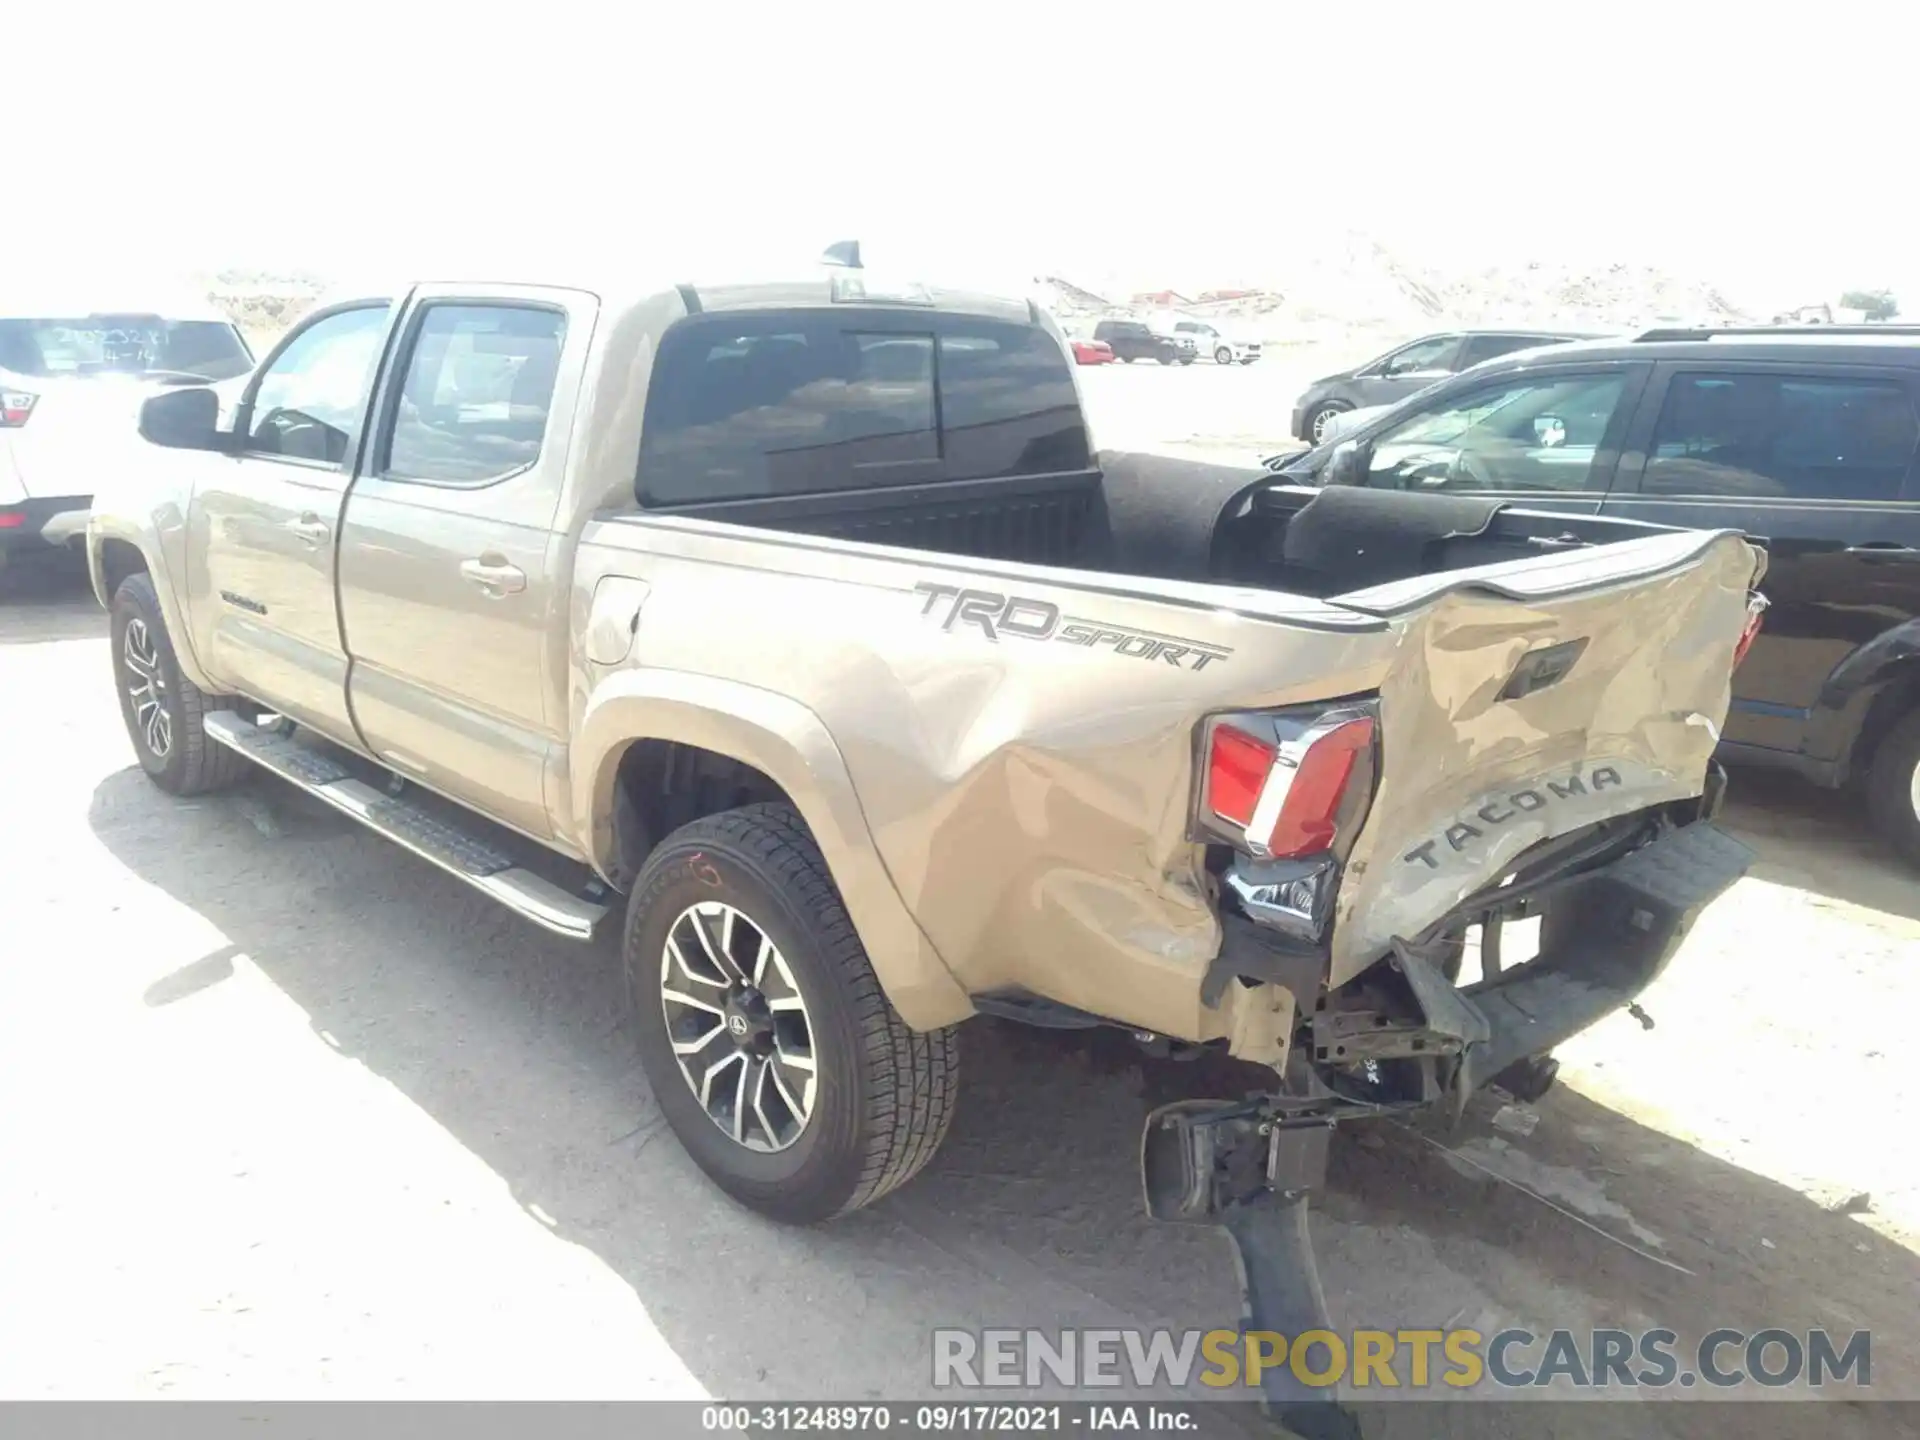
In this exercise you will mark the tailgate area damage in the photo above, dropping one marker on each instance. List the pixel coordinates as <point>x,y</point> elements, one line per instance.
<point>1614,907</point>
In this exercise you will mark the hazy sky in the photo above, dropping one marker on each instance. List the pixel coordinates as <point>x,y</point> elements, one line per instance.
<point>966,142</point>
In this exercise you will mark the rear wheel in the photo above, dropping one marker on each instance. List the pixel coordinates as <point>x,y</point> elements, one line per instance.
<point>764,1032</point>
<point>163,709</point>
<point>1893,787</point>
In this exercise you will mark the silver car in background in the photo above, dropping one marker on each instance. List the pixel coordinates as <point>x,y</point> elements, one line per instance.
<point>74,369</point>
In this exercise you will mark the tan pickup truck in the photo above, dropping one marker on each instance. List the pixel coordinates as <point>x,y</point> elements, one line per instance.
<point>805,617</point>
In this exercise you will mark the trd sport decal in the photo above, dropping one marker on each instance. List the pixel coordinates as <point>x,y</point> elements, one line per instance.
<point>1018,618</point>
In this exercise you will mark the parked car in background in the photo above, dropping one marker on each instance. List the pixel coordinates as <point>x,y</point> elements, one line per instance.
<point>1407,370</point>
<point>72,375</point>
<point>1220,348</point>
<point>1137,340</point>
<point>1091,352</point>
<point>1806,441</point>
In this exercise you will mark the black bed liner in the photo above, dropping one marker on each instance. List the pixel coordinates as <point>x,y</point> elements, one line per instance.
<point>1175,519</point>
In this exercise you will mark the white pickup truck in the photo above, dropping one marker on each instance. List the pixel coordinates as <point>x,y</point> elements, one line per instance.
<point>801,624</point>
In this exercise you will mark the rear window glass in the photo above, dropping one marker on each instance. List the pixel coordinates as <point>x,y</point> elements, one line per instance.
<point>121,345</point>
<point>1791,436</point>
<point>808,404</point>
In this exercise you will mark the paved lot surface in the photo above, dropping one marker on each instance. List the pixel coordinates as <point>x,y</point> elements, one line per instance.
<point>289,1113</point>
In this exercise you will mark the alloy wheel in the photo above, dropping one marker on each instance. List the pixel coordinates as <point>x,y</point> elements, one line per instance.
<point>1321,419</point>
<point>147,688</point>
<point>738,1025</point>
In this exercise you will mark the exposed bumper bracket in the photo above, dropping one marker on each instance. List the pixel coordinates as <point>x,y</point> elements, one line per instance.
<point>1250,1171</point>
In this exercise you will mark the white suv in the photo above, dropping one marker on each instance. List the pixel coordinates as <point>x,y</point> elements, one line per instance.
<point>1221,349</point>
<point>72,376</point>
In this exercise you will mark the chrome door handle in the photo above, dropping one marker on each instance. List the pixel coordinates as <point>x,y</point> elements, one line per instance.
<point>496,577</point>
<point>1885,554</point>
<point>311,529</point>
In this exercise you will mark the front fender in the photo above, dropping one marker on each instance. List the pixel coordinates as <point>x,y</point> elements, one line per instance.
<point>789,743</point>
<point>158,538</point>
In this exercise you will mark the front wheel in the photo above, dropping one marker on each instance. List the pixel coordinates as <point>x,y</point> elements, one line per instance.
<point>163,709</point>
<point>763,1030</point>
<point>1223,356</point>
<point>1893,788</point>
<point>1318,421</point>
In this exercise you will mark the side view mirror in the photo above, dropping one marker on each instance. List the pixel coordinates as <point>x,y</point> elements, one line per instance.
<point>187,419</point>
<point>1350,463</point>
<point>1549,431</point>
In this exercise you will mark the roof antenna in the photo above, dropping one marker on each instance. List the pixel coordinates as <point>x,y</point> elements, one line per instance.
<point>842,252</point>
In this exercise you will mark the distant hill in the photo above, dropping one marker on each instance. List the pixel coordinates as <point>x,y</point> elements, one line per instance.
<point>1348,281</point>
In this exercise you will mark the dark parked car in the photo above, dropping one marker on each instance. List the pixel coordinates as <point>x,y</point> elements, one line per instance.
<point>1400,373</point>
<point>1806,441</point>
<point>1136,340</point>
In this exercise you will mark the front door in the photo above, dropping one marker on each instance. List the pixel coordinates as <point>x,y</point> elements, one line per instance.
<point>1409,369</point>
<point>453,586</point>
<point>1546,440</point>
<point>260,597</point>
<point>1815,462</point>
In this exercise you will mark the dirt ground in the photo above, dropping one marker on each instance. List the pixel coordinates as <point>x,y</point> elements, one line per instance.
<point>292,1114</point>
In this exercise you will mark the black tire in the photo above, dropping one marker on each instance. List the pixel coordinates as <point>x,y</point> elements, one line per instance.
<point>1893,788</point>
<point>1223,356</point>
<point>884,1093</point>
<point>1320,415</point>
<point>188,763</point>
<point>1126,359</point>
<point>1165,359</point>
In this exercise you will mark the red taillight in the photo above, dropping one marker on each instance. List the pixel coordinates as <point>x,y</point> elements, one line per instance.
<point>1756,609</point>
<point>15,407</point>
<point>1237,771</point>
<point>1311,801</point>
<point>11,519</point>
<point>1285,799</point>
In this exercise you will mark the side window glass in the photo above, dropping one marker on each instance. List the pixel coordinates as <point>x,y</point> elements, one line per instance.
<point>1539,434</point>
<point>1785,436</point>
<point>1425,355</point>
<point>479,385</point>
<point>311,398</point>
<point>1486,347</point>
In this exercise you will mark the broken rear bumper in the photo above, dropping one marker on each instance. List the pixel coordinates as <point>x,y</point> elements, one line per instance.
<point>1607,932</point>
<point>1607,937</point>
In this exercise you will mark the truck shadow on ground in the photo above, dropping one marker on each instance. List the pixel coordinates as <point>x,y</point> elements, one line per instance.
<point>514,1043</point>
<point>48,599</point>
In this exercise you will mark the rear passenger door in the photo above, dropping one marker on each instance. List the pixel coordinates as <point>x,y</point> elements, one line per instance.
<point>1818,461</point>
<point>453,586</point>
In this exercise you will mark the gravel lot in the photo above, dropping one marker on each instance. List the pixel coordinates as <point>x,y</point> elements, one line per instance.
<point>292,1114</point>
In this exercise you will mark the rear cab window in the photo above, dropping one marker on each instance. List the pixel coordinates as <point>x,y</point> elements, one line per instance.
<point>817,403</point>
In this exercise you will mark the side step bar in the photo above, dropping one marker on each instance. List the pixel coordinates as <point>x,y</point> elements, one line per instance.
<point>411,826</point>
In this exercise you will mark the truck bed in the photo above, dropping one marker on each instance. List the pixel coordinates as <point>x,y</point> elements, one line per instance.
<point>1162,518</point>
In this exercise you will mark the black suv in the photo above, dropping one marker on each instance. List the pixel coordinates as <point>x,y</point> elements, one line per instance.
<point>1804,440</point>
<point>1414,366</point>
<point>1136,340</point>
